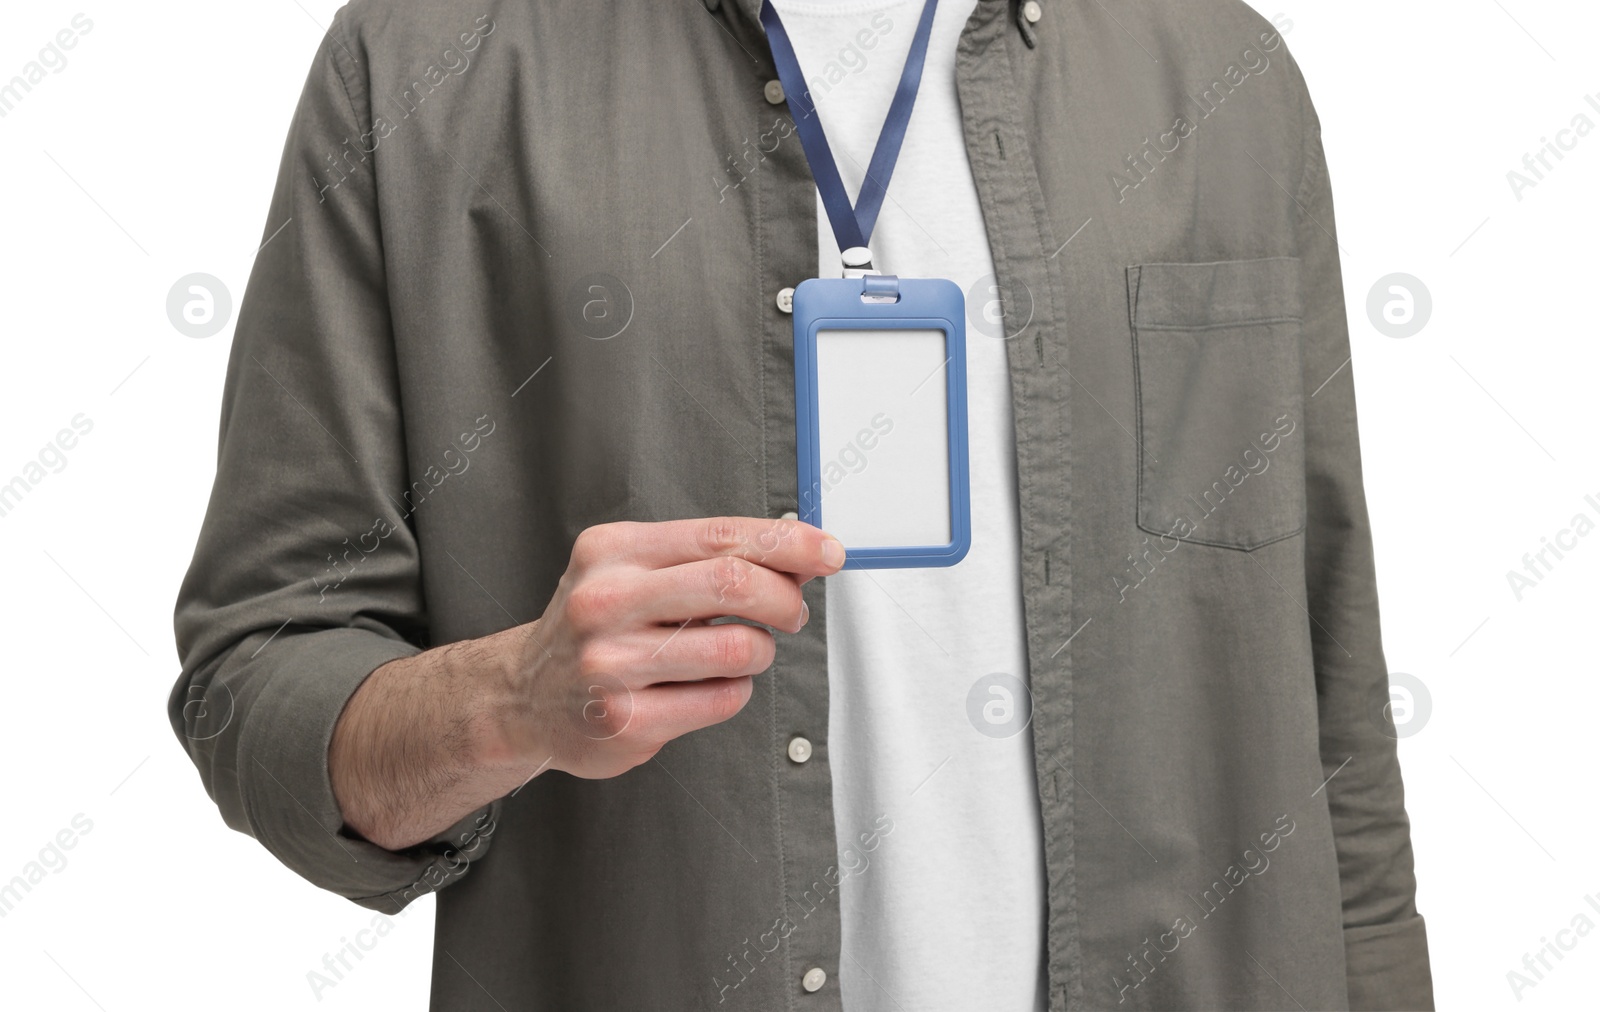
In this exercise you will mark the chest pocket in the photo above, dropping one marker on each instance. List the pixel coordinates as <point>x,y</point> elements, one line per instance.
<point>1217,363</point>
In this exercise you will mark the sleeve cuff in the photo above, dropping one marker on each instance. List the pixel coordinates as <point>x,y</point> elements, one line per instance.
<point>288,793</point>
<point>1386,966</point>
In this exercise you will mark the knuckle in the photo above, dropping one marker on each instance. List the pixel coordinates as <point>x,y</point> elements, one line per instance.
<point>607,717</point>
<point>722,535</point>
<point>732,648</point>
<point>590,544</point>
<point>594,604</point>
<point>606,711</point>
<point>731,579</point>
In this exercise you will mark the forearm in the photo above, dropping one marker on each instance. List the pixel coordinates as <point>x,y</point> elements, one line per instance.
<point>622,662</point>
<point>418,747</point>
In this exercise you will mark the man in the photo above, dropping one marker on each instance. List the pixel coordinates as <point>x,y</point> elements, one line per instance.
<point>509,431</point>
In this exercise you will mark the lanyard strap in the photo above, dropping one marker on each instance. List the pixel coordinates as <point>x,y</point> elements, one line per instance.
<point>852,226</point>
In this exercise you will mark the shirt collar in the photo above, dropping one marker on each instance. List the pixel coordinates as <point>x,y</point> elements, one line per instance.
<point>750,8</point>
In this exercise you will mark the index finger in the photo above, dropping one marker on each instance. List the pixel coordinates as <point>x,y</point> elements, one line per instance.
<point>786,546</point>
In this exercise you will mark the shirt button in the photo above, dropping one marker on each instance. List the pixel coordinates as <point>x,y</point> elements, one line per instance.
<point>786,300</point>
<point>814,979</point>
<point>774,91</point>
<point>800,751</point>
<point>1031,11</point>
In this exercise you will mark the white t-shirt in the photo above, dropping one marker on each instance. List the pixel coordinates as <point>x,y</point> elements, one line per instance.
<point>948,911</point>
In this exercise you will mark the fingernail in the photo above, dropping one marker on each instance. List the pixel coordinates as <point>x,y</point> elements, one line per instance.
<point>832,552</point>
<point>805,615</point>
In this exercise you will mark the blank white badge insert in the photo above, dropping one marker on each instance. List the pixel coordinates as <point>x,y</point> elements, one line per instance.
<point>883,433</point>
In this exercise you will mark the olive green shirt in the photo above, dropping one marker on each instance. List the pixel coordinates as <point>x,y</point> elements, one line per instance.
<point>521,276</point>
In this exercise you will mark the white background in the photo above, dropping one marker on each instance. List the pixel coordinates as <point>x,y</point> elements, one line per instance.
<point>152,155</point>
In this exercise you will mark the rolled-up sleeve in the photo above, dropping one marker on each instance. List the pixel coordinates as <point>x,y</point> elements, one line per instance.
<point>305,578</point>
<point>1386,946</point>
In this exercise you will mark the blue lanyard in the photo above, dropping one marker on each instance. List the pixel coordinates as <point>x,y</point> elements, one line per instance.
<point>852,226</point>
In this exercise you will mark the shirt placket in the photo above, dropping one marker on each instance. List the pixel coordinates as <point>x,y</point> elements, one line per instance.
<point>785,254</point>
<point>1009,191</point>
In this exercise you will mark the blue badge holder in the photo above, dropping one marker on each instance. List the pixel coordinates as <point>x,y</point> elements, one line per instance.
<point>864,303</point>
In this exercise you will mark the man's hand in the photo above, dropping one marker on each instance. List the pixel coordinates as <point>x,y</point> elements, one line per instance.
<point>623,660</point>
